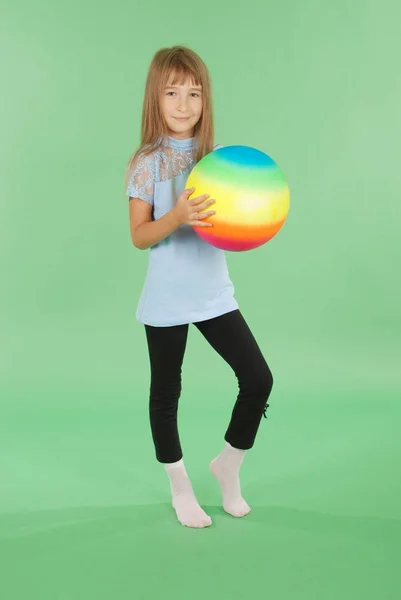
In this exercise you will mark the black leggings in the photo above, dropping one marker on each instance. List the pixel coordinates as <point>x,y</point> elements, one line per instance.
<point>231,337</point>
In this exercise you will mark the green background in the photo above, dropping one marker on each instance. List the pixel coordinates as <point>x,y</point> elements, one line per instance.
<point>84,506</point>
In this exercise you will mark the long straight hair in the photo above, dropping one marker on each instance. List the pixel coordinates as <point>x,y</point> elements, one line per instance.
<point>183,64</point>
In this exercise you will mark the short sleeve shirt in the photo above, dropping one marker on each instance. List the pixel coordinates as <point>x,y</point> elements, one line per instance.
<point>187,279</point>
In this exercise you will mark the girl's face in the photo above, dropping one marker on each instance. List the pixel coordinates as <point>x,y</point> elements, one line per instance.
<point>182,108</point>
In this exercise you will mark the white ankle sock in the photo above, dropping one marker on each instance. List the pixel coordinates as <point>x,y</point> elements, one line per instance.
<point>189,513</point>
<point>225,468</point>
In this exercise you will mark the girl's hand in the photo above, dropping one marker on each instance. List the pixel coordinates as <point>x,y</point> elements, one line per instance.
<point>187,212</point>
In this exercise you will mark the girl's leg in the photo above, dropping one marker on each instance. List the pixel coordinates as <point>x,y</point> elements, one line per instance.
<point>231,337</point>
<point>166,347</point>
<point>166,353</point>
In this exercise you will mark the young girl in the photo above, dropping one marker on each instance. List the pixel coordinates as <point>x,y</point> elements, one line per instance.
<point>187,280</point>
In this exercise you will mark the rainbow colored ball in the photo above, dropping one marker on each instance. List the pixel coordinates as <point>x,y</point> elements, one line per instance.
<point>251,194</point>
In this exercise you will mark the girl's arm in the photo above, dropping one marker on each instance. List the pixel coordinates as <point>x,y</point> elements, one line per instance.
<point>145,232</point>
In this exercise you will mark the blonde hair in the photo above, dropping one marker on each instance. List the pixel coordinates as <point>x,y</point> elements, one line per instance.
<point>183,64</point>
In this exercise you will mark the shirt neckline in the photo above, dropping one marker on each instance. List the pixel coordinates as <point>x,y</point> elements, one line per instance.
<point>186,144</point>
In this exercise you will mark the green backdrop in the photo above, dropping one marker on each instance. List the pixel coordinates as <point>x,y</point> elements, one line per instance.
<point>84,506</point>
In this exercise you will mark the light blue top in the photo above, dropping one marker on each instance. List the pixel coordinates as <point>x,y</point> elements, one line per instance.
<point>187,279</point>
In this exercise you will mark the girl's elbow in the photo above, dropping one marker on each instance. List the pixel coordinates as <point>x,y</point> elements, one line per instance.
<point>138,244</point>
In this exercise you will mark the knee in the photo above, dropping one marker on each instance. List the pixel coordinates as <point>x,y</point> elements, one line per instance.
<point>165,394</point>
<point>261,382</point>
<point>265,381</point>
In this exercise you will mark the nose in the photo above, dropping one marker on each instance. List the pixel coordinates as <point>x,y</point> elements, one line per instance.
<point>182,104</point>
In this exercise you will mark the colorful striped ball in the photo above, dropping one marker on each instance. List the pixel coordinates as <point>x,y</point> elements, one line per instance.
<point>251,194</point>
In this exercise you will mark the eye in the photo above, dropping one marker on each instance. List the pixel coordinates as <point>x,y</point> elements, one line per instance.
<point>168,93</point>
<point>195,94</point>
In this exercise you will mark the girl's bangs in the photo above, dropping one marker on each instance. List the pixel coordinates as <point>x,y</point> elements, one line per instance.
<point>182,73</point>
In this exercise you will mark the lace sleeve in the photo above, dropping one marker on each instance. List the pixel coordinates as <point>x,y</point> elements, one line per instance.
<point>142,179</point>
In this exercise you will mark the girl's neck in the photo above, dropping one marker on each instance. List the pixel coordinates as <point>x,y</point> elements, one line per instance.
<point>186,144</point>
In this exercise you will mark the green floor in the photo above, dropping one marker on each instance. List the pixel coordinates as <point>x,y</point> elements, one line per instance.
<point>85,510</point>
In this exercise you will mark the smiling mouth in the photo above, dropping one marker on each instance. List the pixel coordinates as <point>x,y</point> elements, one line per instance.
<point>181,118</point>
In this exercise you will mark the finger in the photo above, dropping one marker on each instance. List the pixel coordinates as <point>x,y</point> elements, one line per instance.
<point>189,191</point>
<point>202,214</point>
<point>200,199</point>
<point>206,214</point>
<point>201,224</point>
<point>205,205</point>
